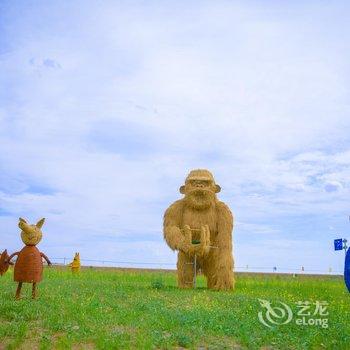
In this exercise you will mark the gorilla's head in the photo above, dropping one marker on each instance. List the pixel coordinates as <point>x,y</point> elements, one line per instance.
<point>200,189</point>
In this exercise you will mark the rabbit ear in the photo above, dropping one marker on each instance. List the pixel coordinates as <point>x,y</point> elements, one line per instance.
<point>40,223</point>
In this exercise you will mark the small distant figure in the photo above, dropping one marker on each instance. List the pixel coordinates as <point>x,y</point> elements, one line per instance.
<point>29,264</point>
<point>4,263</point>
<point>75,264</point>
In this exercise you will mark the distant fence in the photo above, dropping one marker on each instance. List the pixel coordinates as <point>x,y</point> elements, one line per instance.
<point>172,266</point>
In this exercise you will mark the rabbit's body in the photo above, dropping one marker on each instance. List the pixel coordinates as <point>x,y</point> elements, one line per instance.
<point>29,265</point>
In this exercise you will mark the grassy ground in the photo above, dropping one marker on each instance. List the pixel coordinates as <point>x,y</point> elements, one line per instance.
<point>111,309</point>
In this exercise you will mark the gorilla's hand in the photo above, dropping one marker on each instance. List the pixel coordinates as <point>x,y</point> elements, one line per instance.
<point>186,242</point>
<point>204,246</point>
<point>200,249</point>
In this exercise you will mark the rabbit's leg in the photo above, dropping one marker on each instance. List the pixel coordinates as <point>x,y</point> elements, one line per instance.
<point>18,291</point>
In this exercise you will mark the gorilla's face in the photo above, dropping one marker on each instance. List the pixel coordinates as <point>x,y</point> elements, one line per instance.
<point>199,194</point>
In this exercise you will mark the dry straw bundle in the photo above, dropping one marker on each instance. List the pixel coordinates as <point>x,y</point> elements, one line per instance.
<point>75,264</point>
<point>4,263</point>
<point>200,227</point>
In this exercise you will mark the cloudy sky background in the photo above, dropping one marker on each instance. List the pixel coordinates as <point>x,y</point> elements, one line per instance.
<point>106,106</point>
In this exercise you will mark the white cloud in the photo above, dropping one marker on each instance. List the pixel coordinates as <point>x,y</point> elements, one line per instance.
<point>260,96</point>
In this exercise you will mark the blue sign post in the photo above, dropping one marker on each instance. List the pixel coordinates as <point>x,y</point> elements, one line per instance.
<point>347,270</point>
<point>340,244</point>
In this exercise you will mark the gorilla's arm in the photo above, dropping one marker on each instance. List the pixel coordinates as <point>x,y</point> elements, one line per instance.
<point>171,225</point>
<point>225,226</point>
<point>224,243</point>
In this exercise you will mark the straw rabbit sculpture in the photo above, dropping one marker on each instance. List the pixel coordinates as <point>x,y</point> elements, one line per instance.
<point>29,264</point>
<point>75,264</point>
<point>4,263</point>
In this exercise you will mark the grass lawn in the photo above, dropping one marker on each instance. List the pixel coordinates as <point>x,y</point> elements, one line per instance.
<point>114,309</point>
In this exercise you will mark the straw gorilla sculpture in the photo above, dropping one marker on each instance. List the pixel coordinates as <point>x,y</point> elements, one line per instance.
<point>201,225</point>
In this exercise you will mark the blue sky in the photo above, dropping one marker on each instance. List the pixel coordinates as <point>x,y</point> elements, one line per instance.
<point>106,106</point>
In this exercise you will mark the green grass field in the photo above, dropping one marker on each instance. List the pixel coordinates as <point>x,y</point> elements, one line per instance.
<point>114,309</point>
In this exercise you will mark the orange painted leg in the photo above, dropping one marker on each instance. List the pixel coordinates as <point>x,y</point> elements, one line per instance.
<point>18,291</point>
<point>34,291</point>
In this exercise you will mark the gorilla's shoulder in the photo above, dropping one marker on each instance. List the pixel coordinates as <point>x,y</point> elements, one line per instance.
<point>223,208</point>
<point>176,206</point>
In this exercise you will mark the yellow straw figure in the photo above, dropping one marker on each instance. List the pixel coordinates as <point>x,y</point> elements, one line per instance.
<point>75,264</point>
